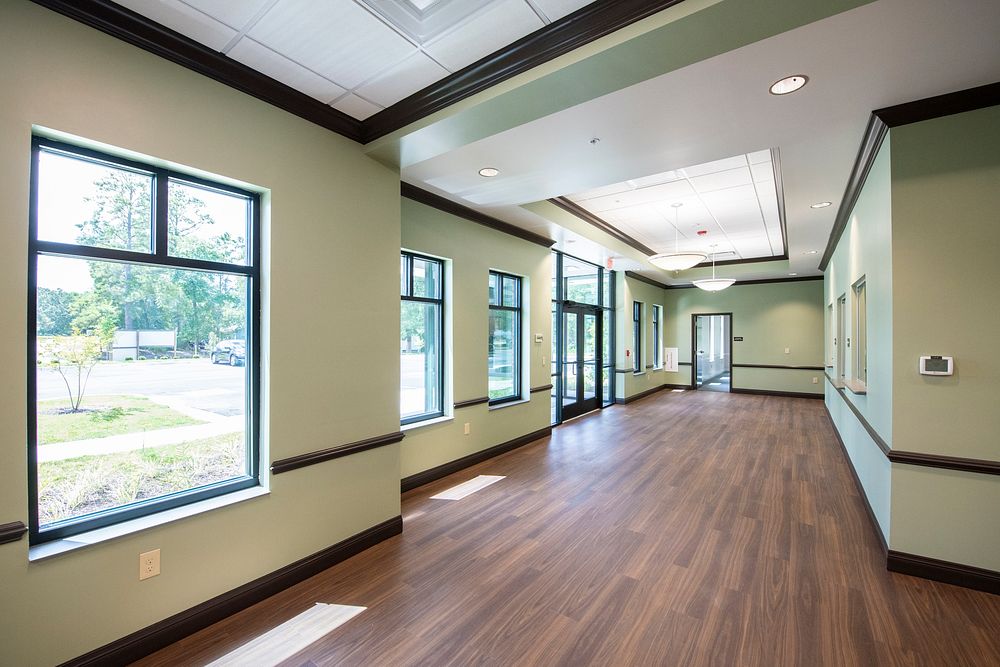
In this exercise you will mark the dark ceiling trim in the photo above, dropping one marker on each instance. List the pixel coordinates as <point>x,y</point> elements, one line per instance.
<point>878,126</point>
<point>454,208</point>
<point>643,279</point>
<point>779,188</point>
<point>600,223</point>
<point>762,281</point>
<point>559,37</point>
<point>948,104</point>
<point>159,40</point>
<point>872,141</point>
<point>749,260</point>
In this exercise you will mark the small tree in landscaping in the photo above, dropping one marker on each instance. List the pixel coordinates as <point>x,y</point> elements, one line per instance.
<point>74,357</point>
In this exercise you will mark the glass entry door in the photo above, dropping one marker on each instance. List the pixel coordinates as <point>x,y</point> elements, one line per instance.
<point>582,366</point>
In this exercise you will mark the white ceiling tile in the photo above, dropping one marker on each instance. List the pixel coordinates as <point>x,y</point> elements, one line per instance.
<point>715,166</point>
<point>758,157</point>
<point>722,180</point>
<point>339,40</point>
<point>235,13</point>
<point>556,9</point>
<point>278,67</point>
<point>404,79</point>
<point>354,106</point>
<point>503,23</point>
<point>762,172</point>
<point>185,20</point>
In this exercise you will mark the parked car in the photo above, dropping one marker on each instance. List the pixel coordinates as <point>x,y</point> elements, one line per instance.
<point>232,352</point>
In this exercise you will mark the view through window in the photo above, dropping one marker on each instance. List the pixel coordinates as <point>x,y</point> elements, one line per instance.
<point>421,339</point>
<point>504,354</point>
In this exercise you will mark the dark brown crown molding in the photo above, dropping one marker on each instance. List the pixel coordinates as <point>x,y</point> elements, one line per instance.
<point>643,279</point>
<point>762,281</point>
<point>568,33</point>
<point>312,458</point>
<point>583,26</point>
<point>948,104</point>
<point>600,223</point>
<point>748,260</point>
<point>448,206</point>
<point>879,124</point>
<point>159,40</point>
<point>139,644</point>
<point>12,532</point>
<point>471,402</point>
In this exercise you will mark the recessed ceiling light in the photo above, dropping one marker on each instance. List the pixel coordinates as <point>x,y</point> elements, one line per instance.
<point>789,84</point>
<point>812,252</point>
<point>793,274</point>
<point>820,204</point>
<point>489,172</point>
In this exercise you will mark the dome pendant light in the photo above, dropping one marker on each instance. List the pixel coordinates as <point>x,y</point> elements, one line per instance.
<point>676,260</point>
<point>713,284</point>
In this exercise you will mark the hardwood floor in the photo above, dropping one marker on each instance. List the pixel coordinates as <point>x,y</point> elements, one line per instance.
<point>694,528</point>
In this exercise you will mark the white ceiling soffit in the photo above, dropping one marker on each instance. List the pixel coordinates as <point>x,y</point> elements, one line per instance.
<point>877,55</point>
<point>358,56</point>
<point>731,204</point>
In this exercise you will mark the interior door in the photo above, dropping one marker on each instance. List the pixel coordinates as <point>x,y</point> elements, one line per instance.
<point>582,363</point>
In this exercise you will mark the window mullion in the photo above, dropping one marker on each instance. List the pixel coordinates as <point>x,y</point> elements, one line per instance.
<point>161,206</point>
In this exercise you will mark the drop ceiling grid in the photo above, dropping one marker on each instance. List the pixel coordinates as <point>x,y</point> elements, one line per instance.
<point>344,53</point>
<point>734,200</point>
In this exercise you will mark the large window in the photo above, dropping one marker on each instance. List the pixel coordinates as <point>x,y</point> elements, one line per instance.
<point>657,342</point>
<point>143,333</point>
<point>637,337</point>
<point>421,338</point>
<point>504,360</point>
<point>860,332</point>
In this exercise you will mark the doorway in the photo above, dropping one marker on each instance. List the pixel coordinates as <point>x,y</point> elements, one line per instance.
<point>582,363</point>
<point>712,351</point>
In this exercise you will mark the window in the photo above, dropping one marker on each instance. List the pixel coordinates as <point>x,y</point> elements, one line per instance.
<point>636,337</point>
<point>504,353</point>
<point>860,332</point>
<point>141,278</point>
<point>421,338</point>
<point>657,342</point>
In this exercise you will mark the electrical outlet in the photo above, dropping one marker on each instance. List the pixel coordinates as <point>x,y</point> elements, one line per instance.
<point>468,428</point>
<point>149,564</point>
<point>815,380</point>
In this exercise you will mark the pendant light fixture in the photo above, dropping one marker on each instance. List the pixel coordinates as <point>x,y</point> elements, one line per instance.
<point>713,284</point>
<point>676,260</point>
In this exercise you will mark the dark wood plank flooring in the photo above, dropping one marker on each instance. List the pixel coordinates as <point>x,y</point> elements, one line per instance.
<point>693,528</point>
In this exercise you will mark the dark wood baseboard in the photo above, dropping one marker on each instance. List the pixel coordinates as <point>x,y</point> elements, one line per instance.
<point>768,392</point>
<point>436,473</point>
<point>676,386</point>
<point>945,571</point>
<point>12,532</point>
<point>148,640</point>
<point>857,482</point>
<point>643,394</point>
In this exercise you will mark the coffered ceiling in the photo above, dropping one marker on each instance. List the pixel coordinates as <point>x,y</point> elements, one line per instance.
<point>358,56</point>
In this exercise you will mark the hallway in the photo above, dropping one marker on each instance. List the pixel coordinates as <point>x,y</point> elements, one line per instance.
<point>686,528</point>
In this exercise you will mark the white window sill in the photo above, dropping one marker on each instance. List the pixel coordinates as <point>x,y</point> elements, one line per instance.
<point>59,547</point>
<point>427,422</point>
<point>501,406</point>
<point>856,387</point>
<point>638,372</point>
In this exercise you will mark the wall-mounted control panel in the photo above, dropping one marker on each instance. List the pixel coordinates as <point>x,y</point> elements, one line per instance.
<point>935,365</point>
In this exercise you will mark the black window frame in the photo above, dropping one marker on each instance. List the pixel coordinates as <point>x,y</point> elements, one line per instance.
<point>518,347</point>
<point>408,257</point>
<point>158,257</point>
<point>637,337</point>
<point>657,351</point>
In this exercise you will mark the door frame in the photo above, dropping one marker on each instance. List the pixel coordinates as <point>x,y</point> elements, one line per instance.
<point>580,309</point>
<point>694,348</point>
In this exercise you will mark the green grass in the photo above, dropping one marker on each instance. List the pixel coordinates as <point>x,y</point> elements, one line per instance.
<point>73,487</point>
<point>102,416</point>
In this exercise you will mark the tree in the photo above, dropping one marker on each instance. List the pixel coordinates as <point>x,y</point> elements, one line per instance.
<point>54,311</point>
<point>74,357</point>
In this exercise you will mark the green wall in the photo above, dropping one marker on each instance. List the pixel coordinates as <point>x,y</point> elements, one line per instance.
<point>945,197</point>
<point>331,221</point>
<point>769,317</point>
<point>865,251</point>
<point>472,250</point>
<point>628,290</point>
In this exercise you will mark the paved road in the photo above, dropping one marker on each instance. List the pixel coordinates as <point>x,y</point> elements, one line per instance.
<point>195,383</point>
